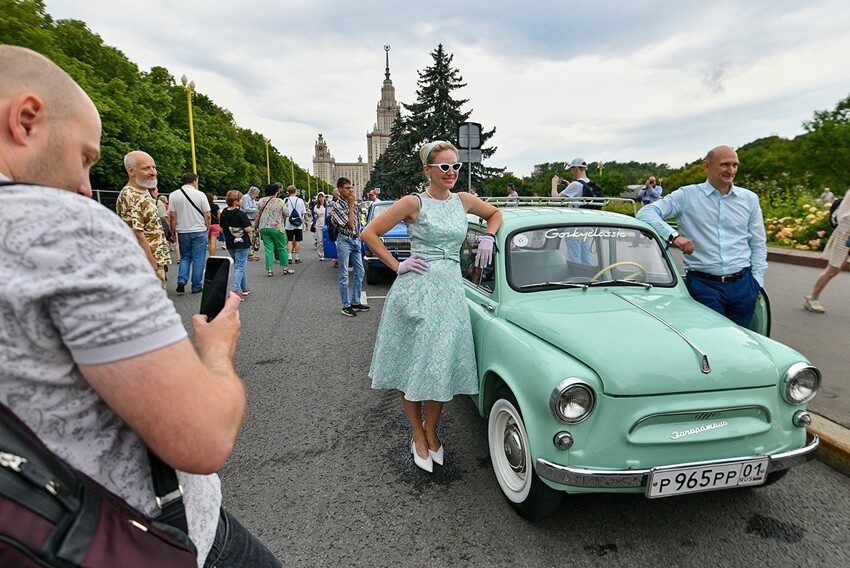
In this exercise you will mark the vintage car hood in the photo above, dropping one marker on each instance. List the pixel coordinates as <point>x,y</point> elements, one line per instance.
<point>635,354</point>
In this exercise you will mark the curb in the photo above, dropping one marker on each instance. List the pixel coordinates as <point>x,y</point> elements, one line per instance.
<point>800,258</point>
<point>834,448</point>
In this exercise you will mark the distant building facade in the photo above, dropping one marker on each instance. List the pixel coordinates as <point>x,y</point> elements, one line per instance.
<point>325,167</point>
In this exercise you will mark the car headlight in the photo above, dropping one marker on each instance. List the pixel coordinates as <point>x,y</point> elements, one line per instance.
<point>572,401</point>
<point>801,383</point>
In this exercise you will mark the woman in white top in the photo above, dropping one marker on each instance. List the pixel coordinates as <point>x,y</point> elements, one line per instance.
<point>836,251</point>
<point>319,225</point>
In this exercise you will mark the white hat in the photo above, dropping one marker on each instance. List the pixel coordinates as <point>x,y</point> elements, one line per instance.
<point>579,163</point>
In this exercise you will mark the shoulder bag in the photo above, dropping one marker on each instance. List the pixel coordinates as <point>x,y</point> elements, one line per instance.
<point>52,515</point>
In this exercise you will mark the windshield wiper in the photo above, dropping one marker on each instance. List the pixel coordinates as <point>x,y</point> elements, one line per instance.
<point>559,284</point>
<point>646,285</point>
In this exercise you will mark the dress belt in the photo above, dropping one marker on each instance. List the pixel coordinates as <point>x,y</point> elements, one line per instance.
<point>717,278</point>
<point>439,255</point>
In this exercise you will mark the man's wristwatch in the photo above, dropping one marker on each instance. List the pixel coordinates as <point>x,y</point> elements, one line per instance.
<point>673,236</point>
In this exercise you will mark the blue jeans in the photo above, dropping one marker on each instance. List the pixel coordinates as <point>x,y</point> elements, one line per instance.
<point>348,252</point>
<point>240,259</point>
<point>735,300</point>
<point>193,252</point>
<point>235,546</point>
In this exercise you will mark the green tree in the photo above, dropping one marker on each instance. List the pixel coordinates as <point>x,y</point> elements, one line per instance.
<point>435,115</point>
<point>826,145</point>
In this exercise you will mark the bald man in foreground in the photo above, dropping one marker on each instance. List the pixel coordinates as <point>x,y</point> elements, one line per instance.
<point>89,340</point>
<point>722,237</point>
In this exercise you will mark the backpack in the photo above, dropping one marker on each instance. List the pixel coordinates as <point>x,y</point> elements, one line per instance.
<point>333,228</point>
<point>590,189</point>
<point>833,212</point>
<point>294,217</point>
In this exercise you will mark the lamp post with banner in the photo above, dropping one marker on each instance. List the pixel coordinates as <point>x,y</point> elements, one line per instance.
<point>469,146</point>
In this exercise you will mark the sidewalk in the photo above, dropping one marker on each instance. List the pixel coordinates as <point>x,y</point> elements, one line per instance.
<point>834,447</point>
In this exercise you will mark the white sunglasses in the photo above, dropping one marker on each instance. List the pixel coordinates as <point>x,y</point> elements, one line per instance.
<point>446,167</point>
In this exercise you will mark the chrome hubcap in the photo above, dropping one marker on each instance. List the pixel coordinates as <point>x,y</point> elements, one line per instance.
<point>514,452</point>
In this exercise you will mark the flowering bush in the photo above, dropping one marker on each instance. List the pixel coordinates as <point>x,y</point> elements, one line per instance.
<point>807,229</point>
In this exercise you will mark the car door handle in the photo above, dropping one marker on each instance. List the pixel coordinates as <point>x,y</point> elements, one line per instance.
<point>488,307</point>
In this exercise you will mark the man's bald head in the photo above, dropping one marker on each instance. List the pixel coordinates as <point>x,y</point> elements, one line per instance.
<point>141,170</point>
<point>24,70</point>
<point>49,128</point>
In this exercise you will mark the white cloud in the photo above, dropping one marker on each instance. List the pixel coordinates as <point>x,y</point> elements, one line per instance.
<point>649,81</point>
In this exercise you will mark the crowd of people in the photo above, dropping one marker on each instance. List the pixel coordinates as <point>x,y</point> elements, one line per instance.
<point>105,369</point>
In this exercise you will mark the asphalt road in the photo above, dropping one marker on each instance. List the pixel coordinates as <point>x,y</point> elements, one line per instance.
<point>322,471</point>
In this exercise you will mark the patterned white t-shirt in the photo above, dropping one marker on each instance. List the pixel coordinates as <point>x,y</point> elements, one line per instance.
<point>76,288</point>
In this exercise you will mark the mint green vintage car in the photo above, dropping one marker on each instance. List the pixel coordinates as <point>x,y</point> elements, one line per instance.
<point>599,373</point>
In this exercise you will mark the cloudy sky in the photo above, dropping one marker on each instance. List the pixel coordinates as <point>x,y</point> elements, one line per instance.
<point>605,80</point>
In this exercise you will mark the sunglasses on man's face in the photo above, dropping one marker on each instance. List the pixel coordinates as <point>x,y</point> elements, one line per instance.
<point>446,167</point>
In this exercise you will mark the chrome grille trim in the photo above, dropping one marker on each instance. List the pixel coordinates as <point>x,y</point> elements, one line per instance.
<point>709,412</point>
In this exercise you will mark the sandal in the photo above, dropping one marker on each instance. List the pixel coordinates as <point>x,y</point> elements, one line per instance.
<point>270,273</point>
<point>813,306</point>
<point>288,271</point>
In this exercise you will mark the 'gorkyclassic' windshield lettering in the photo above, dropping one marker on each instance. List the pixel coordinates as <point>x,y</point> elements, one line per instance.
<point>699,430</point>
<point>585,234</point>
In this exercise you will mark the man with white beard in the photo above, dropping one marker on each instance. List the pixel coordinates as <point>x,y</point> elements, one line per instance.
<point>137,208</point>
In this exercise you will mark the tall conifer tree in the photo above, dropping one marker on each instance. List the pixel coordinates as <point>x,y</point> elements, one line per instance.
<point>434,116</point>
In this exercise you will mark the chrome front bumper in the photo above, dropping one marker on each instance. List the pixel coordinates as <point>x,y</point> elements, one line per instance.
<point>630,478</point>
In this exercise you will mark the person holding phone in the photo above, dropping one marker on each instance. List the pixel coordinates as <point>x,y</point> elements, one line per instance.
<point>106,388</point>
<point>237,229</point>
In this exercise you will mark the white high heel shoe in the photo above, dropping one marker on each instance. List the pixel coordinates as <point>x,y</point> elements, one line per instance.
<point>424,463</point>
<point>437,456</point>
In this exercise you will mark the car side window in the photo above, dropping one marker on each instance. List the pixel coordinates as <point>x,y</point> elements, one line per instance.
<point>483,278</point>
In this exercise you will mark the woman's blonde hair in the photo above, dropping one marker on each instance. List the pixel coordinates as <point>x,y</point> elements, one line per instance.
<point>432,148</point>
<point>232,197</point>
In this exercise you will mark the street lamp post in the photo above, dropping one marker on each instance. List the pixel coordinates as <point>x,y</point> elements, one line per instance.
<point>292,169</point>
<point>190,90</point>
<point>268,165</point>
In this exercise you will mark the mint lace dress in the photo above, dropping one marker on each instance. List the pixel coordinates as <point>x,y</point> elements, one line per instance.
<point>424,344</point>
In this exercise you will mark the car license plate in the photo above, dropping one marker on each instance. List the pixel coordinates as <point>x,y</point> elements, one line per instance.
<point>710,477</point>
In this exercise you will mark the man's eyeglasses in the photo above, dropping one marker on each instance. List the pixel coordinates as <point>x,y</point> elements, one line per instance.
<point>446,167</point>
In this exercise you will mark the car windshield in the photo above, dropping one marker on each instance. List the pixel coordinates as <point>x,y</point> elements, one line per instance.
<point>562,256</point>
<point>379,209</point>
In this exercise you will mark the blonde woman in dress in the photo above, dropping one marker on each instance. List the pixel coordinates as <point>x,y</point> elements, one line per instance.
<point>424,343</point>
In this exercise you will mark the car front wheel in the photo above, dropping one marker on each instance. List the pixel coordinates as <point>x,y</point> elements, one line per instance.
<point>373,275</point>
<point>511,457</point>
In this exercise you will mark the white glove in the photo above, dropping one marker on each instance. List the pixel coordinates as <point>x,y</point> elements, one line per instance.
<point>484,256</point>
<point>414,263</point>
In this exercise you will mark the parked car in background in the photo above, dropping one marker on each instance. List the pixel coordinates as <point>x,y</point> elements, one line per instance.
<point>599,373</point>
<point>397,241</point>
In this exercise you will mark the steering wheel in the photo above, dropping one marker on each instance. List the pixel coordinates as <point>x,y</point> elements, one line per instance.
<point>622,263</point>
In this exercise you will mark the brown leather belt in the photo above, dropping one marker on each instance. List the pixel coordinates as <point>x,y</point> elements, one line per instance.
<point>716,278</point>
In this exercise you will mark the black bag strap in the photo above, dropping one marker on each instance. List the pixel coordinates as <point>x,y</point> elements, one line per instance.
<point>198,209</point>
<point>169,494</point>
<point>260,215</point>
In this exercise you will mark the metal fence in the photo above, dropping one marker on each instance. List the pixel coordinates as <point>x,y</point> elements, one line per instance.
<point>106,197</point>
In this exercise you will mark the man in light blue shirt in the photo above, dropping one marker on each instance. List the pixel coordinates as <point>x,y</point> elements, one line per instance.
<point>249,206</point>
<point>725,247</point>
<point>650,192</point>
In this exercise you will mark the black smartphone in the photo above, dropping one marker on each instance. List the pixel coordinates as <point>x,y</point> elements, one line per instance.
<point>217,277</point>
